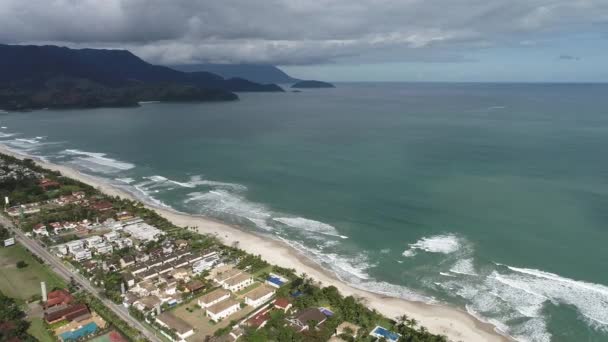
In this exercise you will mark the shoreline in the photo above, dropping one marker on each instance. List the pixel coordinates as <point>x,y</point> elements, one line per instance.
<point>454,323</point>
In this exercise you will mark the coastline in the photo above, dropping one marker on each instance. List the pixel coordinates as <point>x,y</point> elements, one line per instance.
<point>456,324</point>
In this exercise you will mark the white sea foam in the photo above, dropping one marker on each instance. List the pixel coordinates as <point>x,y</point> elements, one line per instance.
<point>6,135</point>
<point>224,202</point>
<point>310,226</point>
<point>445,244</point>
<point>4,127</point>
<point>126,180</point>
<point>464,266</point>
<point>98,161</point>
<point>199,180</point>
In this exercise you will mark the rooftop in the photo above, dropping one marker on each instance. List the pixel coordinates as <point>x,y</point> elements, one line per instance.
<point>213,295</point>
<point>259,292</point>
<point>221,306</point>
<point>238,279</point>
<point>174,322</point>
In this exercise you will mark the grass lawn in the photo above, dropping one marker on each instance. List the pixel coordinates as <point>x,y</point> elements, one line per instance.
<point>23,283</point>
<point>38,330</point>
<point>248,288</point>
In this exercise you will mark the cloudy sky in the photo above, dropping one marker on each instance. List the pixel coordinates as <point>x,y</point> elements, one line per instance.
<point>339,40</point>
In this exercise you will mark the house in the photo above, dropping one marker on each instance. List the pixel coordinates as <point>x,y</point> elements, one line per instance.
<point>195,286</point>
<point>259,320</point>
<point>181,328</point>
<point>62,250</point>
<point>93,241</point>
<point>181,243</point>
<point>111,236</point>
<point>129,299</point>
<point>307,317</point>
<point>128,278</point>
<point>75,245</point>
<point>143,232</point>
<point>238,282</point>
<point>40,230</point>
<point>57,227</point>
<point>48,184</point>
<point>282,304</point>
<point>213,298</point>
<point>123,243</point>
<point>225,275</point>
<point>147,304</point>
<point>104,248</point>
<point>102,206</point>
<point>180,273</point>
<point>70,313</point>
<point>236,332</point>
<point>259,295</point>
<point>223,309</point>
<point>81,254</point>
<point>124,216</point>
<point>347,328</point>
<point>127,261</point>
<point>58,297</point>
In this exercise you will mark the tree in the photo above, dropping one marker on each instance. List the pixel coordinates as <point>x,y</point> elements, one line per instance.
<point>21,264</point>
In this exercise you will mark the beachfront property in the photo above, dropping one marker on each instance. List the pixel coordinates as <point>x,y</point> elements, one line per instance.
<point>282,304</point>
<point>303,319</point>
<point>205,264</point>
<point>223,309</point>
<point>238,282</point>
<point>347,328</point>
<point>143,232</point>
<point>181,328</point>
<point>259,295</point>
<point>213,298</point>
<point>382,333</point>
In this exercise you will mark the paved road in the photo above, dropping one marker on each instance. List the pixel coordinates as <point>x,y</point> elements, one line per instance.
<point>60,268</point>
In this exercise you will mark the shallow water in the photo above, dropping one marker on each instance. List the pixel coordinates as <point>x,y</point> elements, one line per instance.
<point>489,197</point>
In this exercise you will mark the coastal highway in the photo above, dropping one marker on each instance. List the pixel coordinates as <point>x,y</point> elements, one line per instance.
<point>61,269</point>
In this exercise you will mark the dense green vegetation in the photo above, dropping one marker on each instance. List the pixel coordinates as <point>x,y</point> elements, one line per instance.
<point>12,321</point>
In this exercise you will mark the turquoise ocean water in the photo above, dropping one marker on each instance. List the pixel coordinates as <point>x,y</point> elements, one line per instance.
<point>489,197</point>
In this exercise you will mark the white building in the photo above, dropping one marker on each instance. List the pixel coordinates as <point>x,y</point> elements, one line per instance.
<point>181,328</point>
<point>238,282</point>
<point>259,296</point>
<point>93,241</point>
<point>124,243</point>
<point>223,309</point>
<point>104,248</point>
<point>75,245</point>
<point>40,230</point>
<point>213,298</point>
<point>205,264</point>
<point>62,250</point>
<point>111,236</point>
<point>81,254</point>
<point>143,231</point>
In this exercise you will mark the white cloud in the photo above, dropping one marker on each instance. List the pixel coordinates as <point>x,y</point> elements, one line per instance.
<point>288,31</point>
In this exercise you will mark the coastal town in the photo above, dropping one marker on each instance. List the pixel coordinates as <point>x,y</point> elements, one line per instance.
<point>127,274</point>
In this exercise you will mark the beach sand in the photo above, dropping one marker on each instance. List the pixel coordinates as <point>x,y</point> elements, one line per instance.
<point>454,323</point>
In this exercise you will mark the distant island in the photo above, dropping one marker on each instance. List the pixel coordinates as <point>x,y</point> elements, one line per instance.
<point>35,77</point>
<point>312,84</point>
<point>259,73</point>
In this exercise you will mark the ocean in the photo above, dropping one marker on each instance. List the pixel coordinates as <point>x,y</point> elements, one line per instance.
<point>489,197</point>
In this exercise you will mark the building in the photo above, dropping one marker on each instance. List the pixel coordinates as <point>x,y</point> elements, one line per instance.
<point>111,236</point>
<point>306,317</point>
<point>70,313</point>
<point>123,243</point>
<point>143,231</point>
<point>75,245</point>
<point>205,264</point>
<point>40,230</point>
<point>104,248</point>
<point>127,261</point>
<point>181,328</point>
<point>147,304</point>
<point>58,297</point>
<point>223,276</point>
<point>282,304</point>
<point>102,206</point>
<point>223,309</point>
<point>259,295</point>
<point>93,241</point>
<point>81,254</point>
<point>260,319</point>
<point>238,282</point>
<point>213,298</point>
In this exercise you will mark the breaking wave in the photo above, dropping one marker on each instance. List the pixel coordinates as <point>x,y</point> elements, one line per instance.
<point>310,226</point>
<point>97,161</point>
<point>444,244</point>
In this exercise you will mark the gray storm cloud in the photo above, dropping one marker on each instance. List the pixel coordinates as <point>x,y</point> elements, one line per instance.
<point>286,31</point>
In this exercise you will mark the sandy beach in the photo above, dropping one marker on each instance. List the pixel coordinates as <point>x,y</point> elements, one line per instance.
<point>454,323</point>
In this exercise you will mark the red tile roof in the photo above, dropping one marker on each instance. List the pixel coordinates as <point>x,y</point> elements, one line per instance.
<point>69,313</point>
<point>281,303</point>
<point>259,319</point>
<point>58,297</point>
